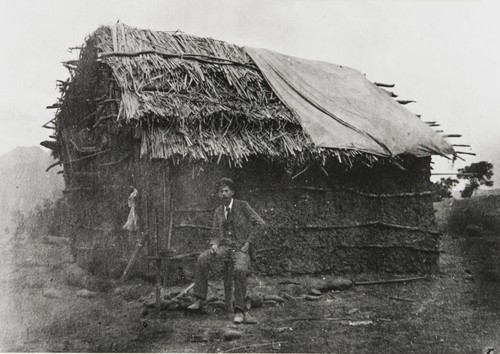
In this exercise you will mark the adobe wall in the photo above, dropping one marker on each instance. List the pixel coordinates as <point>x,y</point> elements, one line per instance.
<point>349,221</point>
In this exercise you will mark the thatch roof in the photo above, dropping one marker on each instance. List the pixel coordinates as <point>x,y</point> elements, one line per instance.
<point>202,99</point>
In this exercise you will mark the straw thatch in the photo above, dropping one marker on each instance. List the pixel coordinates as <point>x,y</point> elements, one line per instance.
<point>199,99</point>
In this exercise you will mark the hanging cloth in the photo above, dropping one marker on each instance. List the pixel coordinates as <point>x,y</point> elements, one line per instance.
<point>131,224</point>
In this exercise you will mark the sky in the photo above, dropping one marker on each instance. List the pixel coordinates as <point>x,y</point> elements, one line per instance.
<point>443,54</point>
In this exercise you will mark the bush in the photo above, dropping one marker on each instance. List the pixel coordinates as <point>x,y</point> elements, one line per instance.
<point>45,219</point>
<point>478,213</point>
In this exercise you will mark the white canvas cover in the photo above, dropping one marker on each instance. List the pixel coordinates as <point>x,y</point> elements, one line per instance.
<point>339,108</point>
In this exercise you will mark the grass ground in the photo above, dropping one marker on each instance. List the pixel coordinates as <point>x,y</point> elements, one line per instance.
<point>455,310</point>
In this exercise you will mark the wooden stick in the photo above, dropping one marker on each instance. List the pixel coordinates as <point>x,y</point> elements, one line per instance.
<point>49,122</point>
<point>158,266</point>
<point>301,172</point>
<point>465,153</point>
<point>297,319</point>
<point>355,225</point>
<point>199,57</point>
<point>88,156</point>
<point>388,281</point>
<point>380,84</point>
<point>132,259</point>
<point>170,228</point>
<point>254,346</point>
<point>370,195</point>
<point>158,286</point>
<point>53,165</point>
<point>191,226</point>
<point>183,292</point>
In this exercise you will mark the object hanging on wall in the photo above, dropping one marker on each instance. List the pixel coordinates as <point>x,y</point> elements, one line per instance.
<point>131,224</point>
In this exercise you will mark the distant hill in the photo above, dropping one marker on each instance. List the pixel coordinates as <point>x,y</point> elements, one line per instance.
<point>24,182</point>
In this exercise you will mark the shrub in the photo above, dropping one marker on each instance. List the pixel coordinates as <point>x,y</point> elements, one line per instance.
<point>44,219</point>
<point>479,212</point>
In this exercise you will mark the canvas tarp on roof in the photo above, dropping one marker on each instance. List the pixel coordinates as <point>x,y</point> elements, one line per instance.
<point>339,108</point>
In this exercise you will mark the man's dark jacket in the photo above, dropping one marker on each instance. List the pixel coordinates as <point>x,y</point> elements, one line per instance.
<point>243,225</point>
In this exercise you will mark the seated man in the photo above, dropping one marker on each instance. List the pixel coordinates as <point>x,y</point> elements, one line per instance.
<point>236,225</point>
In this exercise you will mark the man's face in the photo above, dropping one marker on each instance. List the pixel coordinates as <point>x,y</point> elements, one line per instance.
<point>226,194</point>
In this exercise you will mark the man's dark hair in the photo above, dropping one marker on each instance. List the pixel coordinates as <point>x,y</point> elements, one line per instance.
<point>225,182</point>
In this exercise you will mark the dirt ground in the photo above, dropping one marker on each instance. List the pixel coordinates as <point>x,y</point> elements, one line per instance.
<point>43,308</point>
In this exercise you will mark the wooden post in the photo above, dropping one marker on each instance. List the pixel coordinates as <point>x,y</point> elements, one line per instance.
<point>158,267</point>
<point>167,200</point>
<point>158,285</point>
<point>170,227</point>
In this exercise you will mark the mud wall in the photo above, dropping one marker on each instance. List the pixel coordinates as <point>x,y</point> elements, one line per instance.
<point>363,220</point>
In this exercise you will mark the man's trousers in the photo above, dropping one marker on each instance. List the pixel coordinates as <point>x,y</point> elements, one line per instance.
<point>240,264</point>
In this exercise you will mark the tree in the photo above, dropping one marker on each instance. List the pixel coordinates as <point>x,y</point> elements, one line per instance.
<point>442,188</point>
<point>476,174</point>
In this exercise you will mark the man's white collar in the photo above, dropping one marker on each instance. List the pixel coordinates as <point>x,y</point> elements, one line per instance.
<point>230,206</point>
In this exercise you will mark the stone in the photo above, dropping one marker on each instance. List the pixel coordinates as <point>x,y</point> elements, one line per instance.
<point>51,293</point>
<point>232,334</point>
<point>270,303</point>
<point>360,323</point>
<point>312,298</point>
<point>315,292</point>
<point>351,311</point>
<point>338,283</point>
<point>275,298</point>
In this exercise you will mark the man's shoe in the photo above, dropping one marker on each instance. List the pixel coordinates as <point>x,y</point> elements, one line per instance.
<point>196,306</point>
<point>238,318</point>
<point>247,319</point>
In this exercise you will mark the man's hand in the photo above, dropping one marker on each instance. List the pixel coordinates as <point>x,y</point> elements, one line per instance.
<point>245,247</point>
<point>213,248</point>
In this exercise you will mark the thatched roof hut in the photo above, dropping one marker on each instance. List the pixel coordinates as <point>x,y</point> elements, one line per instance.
<point>169,113</point>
